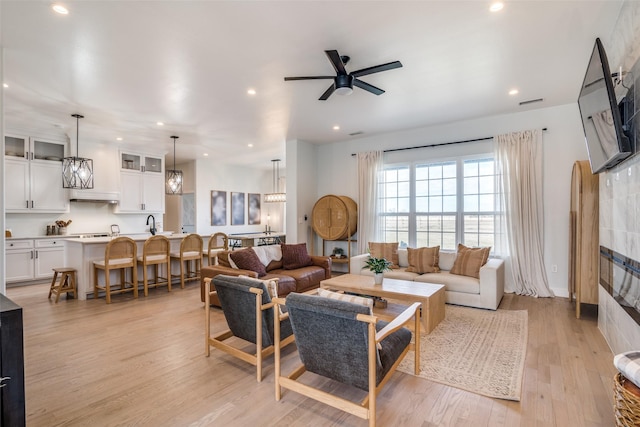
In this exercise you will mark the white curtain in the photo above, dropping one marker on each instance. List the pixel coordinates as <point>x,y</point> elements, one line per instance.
<point>369,167</point>
<point>519,161</point>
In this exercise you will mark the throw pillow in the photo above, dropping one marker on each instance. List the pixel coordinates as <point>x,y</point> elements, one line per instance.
<point>469,261</point>
<point>295,256</point>
<point>388,251</point>
<point>247,259</point>
<point>423,260</point>
<point>367,302</point>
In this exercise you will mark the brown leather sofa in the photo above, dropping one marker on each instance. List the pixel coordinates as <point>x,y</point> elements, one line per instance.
<point>297,280</point>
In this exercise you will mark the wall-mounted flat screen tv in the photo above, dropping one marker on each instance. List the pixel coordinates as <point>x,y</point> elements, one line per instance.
<point>606,141</point>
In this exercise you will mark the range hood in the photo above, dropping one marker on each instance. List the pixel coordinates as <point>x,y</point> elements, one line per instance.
<point>89,196</point>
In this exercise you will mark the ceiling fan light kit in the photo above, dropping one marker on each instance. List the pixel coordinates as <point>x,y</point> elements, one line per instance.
<point>343,82</point>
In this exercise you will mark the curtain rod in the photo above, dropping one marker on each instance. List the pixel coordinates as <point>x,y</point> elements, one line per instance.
<point>486,138</point>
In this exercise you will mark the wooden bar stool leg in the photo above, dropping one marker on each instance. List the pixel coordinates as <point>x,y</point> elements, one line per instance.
<point>61,286</point>
<point>134,280</point>
<point>107,285</point>
<point>145,279</point>
<point>169,275</point>
<point>182,273</point>
<point>53,282</point>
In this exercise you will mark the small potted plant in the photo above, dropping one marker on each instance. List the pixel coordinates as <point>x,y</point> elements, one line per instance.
<point>378,266</point>
<point>338,252</point>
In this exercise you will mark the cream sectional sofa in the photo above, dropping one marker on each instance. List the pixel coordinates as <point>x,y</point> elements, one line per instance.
<point>485,292</point>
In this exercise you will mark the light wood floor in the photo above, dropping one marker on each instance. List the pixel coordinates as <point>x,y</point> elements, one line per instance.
<point>141,362</point>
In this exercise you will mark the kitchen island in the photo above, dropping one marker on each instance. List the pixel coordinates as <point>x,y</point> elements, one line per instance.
<point>82,252</point>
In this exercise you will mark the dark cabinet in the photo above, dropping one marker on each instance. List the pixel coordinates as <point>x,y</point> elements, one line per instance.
<point>11,364</point>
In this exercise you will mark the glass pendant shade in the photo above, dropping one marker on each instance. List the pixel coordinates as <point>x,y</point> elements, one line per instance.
<point>173,178</point>
<point>276,196</point>
<point>77,172</point>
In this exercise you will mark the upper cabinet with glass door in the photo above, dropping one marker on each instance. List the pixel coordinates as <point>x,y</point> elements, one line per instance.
<point>29,148</point>
<point>140,162</point>
<point>35,168</point>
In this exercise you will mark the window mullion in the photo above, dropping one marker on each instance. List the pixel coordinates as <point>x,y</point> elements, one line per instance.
<point>412,207</point>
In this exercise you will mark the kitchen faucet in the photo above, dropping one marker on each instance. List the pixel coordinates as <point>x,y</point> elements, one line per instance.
<point>152,229</point>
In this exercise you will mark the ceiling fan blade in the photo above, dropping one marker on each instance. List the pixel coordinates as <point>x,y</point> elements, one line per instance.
<point>366,86</point>
<point>288,79</point>
<point>327,93</point>
<point>334,57</point>
<point>377,69</point>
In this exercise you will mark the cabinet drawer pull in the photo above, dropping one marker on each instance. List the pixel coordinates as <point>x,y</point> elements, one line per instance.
<point>31,254</point>
<point>36,254</point>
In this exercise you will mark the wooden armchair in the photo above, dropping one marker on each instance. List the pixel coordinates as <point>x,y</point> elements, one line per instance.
<point>249,311</point>
<point>343,341</point>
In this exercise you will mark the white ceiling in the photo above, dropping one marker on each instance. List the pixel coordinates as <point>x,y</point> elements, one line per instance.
<point>127,64</point>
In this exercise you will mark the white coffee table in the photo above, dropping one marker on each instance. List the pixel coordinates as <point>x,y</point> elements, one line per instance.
<point>431,295</point>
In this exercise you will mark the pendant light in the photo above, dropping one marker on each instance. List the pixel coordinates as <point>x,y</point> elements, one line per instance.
<point>276,196</point>
<point>174,177</point>
<point>77,172</point>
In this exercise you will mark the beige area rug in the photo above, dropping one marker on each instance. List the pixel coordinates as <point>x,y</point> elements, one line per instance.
<point>480,351</point>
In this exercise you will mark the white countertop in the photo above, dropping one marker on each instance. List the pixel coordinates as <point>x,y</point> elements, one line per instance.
<point>139,237</point>
<point>57,237</point>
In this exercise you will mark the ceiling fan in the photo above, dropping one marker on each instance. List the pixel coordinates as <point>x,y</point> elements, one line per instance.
<point>343,82</point>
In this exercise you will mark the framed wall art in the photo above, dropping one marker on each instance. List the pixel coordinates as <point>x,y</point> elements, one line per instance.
<point>237,208</point>
<point>218,208</point>
<point>254,209</point>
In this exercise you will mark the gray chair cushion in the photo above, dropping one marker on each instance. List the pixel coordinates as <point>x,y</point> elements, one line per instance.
<point>239,308</point>
<point>332,343</point>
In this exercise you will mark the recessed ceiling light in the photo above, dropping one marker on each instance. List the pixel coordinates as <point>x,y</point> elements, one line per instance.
<point>514,92</point>
<point>119,138</point>
<point>251,91</point>
<point>249,145</point>
<point>496,6</point>
<point>336,127</point>
<point>5,85</point>
<point>206,154</point>
<point>160,123</point>
<point>60,9</point>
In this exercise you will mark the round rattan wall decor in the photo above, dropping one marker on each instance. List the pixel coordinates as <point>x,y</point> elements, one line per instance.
<point>335,217</point>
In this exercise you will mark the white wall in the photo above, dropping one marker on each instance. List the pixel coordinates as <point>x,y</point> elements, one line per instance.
<point>563,144</point>
<point>215,175</point>
<point>302,176</point>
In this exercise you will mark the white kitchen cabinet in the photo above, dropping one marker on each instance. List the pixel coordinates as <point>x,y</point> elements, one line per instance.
<point>141,183</point>
<point>49,254</point>
<point>19,260</point>
<point>33,175</point>
<point>29,259</point>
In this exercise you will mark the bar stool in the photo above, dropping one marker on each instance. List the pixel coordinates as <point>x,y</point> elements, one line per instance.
<point>67,282</point>
<point>190,250</point>
<point>156,251</point>
<point>119,254</point>
<point>218,242</point>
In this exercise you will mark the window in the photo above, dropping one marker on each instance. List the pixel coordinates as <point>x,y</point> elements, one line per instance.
<point>440,203</point>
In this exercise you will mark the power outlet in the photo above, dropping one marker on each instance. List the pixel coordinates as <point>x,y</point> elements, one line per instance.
<point>554,268</point>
